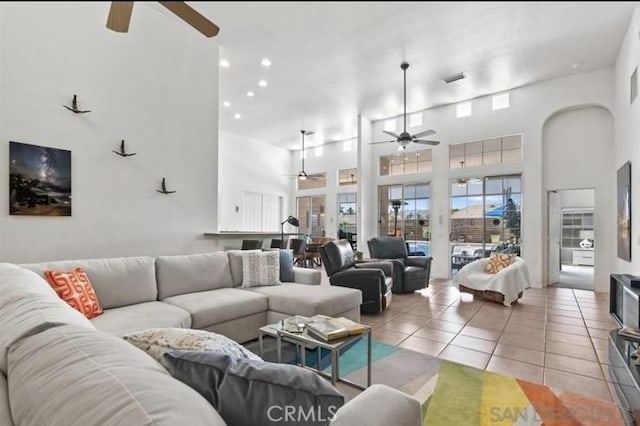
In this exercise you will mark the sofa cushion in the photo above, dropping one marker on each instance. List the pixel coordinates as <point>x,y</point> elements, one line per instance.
<point>286,266</point>
<point>216,306</point>
<point>301,299</point>
<point>27,312</point>
<point>266,389</point>
<point>5,412</point>
<point>73,376</point>
<point>74,287</point>
<point>13,277</point>
<point>141,316</point>
<point>157,341</point>
<point>260,268</point>
<point>235,262</point>
<point>192,273</point>
<point>117,282</point>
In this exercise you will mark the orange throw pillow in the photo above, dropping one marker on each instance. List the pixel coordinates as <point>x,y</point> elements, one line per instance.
<point>75,288</point>
<point>498,262</point>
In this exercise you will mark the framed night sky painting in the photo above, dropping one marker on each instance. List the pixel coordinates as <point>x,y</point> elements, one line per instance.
<point>39,180</point>
<point>624,211</point>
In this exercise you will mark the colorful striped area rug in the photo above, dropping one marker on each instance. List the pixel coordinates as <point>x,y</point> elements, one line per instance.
<point>453,394</point>
<point>460,395</point>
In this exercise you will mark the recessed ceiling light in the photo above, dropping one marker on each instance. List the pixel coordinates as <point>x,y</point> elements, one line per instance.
<point>226,104</point>
<point>250,94</point>
<point>262,83</point>
<point>224,63</point>
<point>265,62</point>
<point>575,65</point>
<point>237,116</point>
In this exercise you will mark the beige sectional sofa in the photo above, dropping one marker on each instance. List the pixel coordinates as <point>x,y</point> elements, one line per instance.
<point>58,368</point>
<point>201,291</point>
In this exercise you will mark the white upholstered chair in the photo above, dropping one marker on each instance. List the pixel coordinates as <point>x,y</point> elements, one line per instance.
<point>505,287</point>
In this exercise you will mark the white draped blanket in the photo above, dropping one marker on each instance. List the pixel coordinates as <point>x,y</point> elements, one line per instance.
<point>510,281</point>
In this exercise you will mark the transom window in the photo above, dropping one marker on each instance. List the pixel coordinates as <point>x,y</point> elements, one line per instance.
<point>507,149</point>
<point>316,181</point>
<point>348,177</point>
<point>404,163</point>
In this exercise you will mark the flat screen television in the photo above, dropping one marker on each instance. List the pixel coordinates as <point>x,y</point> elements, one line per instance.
<point>624,300</point>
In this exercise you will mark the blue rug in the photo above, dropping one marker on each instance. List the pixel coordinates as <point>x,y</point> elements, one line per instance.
<point>352,358</point>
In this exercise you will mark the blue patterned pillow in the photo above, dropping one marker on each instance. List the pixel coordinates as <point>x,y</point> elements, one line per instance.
<point>249,392</point>
<point>286,266</point>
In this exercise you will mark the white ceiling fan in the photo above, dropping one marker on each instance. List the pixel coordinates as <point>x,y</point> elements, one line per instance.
<point>404,138</point>
<point>302,174</point>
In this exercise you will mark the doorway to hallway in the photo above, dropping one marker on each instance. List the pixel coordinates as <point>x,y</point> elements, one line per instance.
<point>572,242</point>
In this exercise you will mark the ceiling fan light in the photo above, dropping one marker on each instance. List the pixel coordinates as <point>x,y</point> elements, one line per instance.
<point>302,177</point>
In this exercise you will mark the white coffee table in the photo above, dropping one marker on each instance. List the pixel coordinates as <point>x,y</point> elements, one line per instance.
<point>305,340</point>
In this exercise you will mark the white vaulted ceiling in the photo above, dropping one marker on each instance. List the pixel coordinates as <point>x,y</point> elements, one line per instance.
<point>333,61</point>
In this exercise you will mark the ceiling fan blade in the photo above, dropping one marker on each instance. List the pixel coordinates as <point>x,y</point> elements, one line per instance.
<point>378,143</point>
<point>192,17</point>
<point>426,142</point>
<point>309,132</point>
<point>393,135</point>
<point>120,16</point>
<point>425,133</point>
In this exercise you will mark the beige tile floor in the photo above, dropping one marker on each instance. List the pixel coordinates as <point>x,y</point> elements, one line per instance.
<point>553,336</point>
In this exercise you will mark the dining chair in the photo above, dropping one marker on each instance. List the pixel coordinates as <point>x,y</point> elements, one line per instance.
<point>251,244</point>
<point>299,248</point>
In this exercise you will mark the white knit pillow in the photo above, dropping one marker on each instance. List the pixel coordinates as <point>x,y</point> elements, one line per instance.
<point>260,268</point>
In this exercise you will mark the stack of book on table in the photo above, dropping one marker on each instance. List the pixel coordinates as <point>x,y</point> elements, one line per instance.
<point>328,328</point>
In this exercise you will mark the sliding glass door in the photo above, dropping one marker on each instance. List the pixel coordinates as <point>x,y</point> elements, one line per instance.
<point>485,218</point>
<point>347,218</point>
<point>404,211</point>
<point>311,215</point>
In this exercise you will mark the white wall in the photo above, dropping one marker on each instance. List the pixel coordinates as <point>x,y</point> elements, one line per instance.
<point>249,165</point>
<point>333,158</point>
<point>627,137</point>
<point>578,199</point>
<point>578,153</point>
<point>530,107</point>
<point>156,87</point>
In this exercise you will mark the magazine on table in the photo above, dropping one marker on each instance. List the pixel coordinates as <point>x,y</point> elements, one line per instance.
<point>328,328</point>
<point>295,324</point>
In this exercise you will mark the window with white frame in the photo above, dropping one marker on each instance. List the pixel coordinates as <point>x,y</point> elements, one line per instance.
<point>507,149</point>
<point>315,181</point>
<point>348,177</point>
<point>501,101</point>
<point>463,109</point>
<point>404,163</point>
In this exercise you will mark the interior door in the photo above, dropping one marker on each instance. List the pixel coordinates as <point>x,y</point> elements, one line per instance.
<point>555,220</point>
<point>252,211</point>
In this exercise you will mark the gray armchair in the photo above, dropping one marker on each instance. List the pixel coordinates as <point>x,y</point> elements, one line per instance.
<point>373,279</point>
<point>409,272</point>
